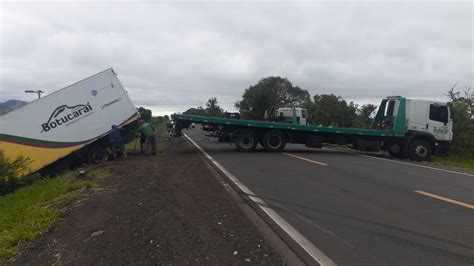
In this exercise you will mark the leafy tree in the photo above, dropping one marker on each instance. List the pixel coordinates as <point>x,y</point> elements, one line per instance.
<point>463,124</point>
<point>196,111</point>
<point>213,109</point>
<point>364,114</point>
<point>145,114</point>
<point>267,93</point>
<point>332,110</point>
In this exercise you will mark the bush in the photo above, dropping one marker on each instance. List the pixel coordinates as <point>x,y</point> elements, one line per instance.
<point>463,128</point>
<point>463,124</point>
<point>11,172</point>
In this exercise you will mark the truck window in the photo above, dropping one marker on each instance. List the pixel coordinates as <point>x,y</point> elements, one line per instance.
<point>390,108</point>
<point>439,113</point>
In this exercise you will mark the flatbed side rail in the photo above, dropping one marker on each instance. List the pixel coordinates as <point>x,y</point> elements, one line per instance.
<point>274,125</point>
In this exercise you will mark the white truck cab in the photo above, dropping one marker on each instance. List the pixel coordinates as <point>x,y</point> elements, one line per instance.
<point>427,126</point>
<point>425,116</point>
<point>431,117</point>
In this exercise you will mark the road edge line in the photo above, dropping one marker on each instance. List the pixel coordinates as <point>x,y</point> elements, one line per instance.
<point>302,241</point>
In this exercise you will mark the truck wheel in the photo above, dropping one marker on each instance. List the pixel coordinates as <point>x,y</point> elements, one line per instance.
<point>395,151</point>
<point>246,141</point>
<point>420,150</point>
<point>97,155</point>
<point>274,141</point>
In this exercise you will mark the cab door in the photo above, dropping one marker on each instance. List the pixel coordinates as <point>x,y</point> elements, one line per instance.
<point>439,122</point>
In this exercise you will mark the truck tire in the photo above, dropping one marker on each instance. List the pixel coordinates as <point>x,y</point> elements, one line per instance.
<point>274,141</point>
<point>246,141</point>
<point>97,155</point>
<point>420,150</point>
<point>395,150</point>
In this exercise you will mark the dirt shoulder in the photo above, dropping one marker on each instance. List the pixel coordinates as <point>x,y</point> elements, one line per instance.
<point>163,209</point>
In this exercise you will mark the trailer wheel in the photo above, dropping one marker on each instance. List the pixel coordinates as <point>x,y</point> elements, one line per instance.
<point>246,141</point>
<point>274,141</point>
<point>97,155</point>
<point>420,150</point>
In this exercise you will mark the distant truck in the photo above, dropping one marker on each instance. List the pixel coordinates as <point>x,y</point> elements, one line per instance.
<point>72,121</point>
<point>417,128</point>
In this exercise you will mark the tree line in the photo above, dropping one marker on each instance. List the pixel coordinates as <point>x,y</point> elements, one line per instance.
<point>277,92</point>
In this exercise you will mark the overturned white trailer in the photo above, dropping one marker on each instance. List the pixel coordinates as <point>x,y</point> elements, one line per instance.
<point>67,120</point>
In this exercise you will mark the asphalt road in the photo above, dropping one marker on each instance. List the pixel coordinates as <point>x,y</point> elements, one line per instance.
<point>360,210</point>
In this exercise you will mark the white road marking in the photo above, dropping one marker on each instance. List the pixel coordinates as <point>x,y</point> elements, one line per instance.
<point>412,164</point>
<point>311,249</point>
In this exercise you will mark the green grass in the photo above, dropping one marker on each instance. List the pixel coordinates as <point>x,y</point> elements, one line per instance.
<point>462,162</point>
<point>133,145</point>
<point>30,210</point>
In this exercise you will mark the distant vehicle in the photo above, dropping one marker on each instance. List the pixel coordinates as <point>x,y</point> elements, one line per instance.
<point>417,128</point>
<point>232,115</point>
<point>286,115</point>
<point>72,122</point>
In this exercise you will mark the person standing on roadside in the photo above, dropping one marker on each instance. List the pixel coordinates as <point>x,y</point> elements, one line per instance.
<point>116,142</point>
<point>150,140</point>
<point>170,130</point>
<point>142,142</point>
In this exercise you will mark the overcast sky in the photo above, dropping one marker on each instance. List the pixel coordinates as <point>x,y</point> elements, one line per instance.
<point>173,56</point>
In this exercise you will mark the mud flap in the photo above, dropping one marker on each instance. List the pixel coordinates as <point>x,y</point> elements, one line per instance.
<point>180,125</point>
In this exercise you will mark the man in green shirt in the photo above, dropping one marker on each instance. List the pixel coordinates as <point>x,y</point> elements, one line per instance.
<point>150,139</point>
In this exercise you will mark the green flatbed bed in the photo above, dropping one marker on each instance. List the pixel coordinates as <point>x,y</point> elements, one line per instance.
<point>282,126</point>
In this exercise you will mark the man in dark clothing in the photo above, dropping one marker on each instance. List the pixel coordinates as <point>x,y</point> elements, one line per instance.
<point>116,141</point>
<point>142,142</point>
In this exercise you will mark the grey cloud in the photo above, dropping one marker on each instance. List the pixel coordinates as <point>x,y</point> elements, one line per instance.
<point>175,56</point>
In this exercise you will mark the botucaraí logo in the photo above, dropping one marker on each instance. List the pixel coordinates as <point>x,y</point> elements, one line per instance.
<point>65,115</point>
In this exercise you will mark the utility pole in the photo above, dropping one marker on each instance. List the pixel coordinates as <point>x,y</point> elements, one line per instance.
<point>35,91</point>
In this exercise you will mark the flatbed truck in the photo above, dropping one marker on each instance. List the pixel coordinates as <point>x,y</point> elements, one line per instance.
<point>417,128</point>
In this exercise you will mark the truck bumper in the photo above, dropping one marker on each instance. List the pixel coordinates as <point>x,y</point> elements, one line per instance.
<point>442,147</point>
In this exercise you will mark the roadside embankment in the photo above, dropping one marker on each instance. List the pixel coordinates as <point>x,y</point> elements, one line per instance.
<point>163,209</point>
<point>27,212</point>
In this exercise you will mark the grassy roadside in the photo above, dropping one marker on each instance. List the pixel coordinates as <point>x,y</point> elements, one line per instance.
<point>27,212</point>
<point>459,162</point>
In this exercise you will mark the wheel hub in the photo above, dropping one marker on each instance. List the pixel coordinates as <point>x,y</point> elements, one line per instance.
<point>274,141</point>
<point>421,151</point>
<point>99,157</point>
<point>246,142</point>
